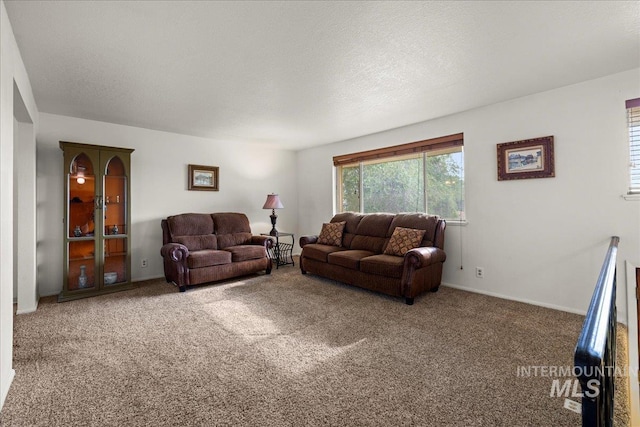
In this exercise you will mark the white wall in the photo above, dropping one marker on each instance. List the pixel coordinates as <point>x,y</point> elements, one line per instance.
<point>159,186</point>
<point>14,82</point>
<point>16,135</point>
<point>25,216</point>
<point>539,240</point>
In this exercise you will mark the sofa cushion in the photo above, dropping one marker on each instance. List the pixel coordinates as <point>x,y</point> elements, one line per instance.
<point>352,220</point>
<point>231,228</point>
<point>246,252</point>
<point>319,252</point>
<point>207,258</point>
<point>417,220</point>
<point>331,233</point>
<point>197,243</point>
<point>403,240</point>
<point>383,265</point>
<point>349,259</point>
<point>371,234</point>
<point>190,224</point>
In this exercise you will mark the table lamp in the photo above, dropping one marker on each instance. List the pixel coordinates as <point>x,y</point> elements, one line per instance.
<point>273,202</point>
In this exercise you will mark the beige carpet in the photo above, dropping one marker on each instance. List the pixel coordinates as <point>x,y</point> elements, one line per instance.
<point>287,350</point>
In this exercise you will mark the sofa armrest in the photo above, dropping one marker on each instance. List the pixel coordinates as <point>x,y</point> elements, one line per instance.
<point>175,252</point>
<point>424,256</point>
<point>416,259</point>
<point>307,240</point>
<point>176,270</point>
<point>265,241</point>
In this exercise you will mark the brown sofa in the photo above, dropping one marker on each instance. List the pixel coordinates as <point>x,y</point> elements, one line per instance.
<point>199,248</point>
<point>360,259</point>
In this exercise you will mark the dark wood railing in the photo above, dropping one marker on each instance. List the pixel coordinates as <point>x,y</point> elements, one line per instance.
<point>595,355</point>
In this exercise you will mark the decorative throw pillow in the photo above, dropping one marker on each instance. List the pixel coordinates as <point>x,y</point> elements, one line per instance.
<point>331,233</point>
<point>403,240</point>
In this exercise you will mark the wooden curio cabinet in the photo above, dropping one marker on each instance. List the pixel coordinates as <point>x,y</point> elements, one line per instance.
<point>97,220</point>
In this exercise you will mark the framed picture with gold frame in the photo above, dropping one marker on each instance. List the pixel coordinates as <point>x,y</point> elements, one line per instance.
<point>203,178</point>
<point>529,158</point>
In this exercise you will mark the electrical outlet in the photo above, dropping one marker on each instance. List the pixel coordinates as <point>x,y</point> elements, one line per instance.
<point>480,272</point>
<point>144,263</point>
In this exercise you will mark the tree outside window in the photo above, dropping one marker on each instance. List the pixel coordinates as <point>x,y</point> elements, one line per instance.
<point>431,182</point>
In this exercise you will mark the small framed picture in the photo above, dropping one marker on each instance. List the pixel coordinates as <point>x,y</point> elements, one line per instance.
<point>203,178</point>
<point>530,158</point>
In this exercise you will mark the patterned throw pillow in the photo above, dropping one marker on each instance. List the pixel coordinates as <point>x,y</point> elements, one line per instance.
<point>403,240</point>
<point>331,233</point>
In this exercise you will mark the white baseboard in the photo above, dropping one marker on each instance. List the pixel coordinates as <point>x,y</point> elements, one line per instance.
<point>143,279</point>
<point>30,309</point>
<point>5,390</point>
<point>508,297</point>
<point>27,310</point>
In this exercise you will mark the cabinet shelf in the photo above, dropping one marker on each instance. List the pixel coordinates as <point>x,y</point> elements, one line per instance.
<point>115,254</point>
<point>89,257</point>
<point>81,239</point>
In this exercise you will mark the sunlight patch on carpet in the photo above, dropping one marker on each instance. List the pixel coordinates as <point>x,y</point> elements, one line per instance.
<point>238,318</point>
<point>296,355</point>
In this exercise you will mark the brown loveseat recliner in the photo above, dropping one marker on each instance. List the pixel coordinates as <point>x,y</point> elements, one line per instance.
<point>360,258</point>
<point>200,248</point>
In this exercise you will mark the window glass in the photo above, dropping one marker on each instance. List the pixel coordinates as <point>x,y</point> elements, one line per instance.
<point>350,189</point>
<point>445,185</point>
<point>393,185</point>
<point>399,184</point>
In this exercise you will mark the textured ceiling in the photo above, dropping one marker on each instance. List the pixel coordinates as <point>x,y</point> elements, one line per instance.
<point>299,74</point>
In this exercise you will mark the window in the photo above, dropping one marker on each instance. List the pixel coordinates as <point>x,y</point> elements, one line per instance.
<point>424,176</point>
<point>633,120</point>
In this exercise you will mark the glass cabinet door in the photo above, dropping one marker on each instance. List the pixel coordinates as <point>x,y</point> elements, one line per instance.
<point>115,230</point>
<point>97,239</point>
<point>81,223</point>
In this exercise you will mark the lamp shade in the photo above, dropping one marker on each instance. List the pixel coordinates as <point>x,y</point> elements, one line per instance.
<point>273,202</point>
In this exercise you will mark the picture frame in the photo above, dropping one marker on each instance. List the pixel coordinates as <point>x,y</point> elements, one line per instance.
<point>529,158</point>
<point>203,178</point>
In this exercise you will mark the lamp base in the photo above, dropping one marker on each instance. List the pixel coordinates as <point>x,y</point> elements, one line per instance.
<point>274,218</point>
